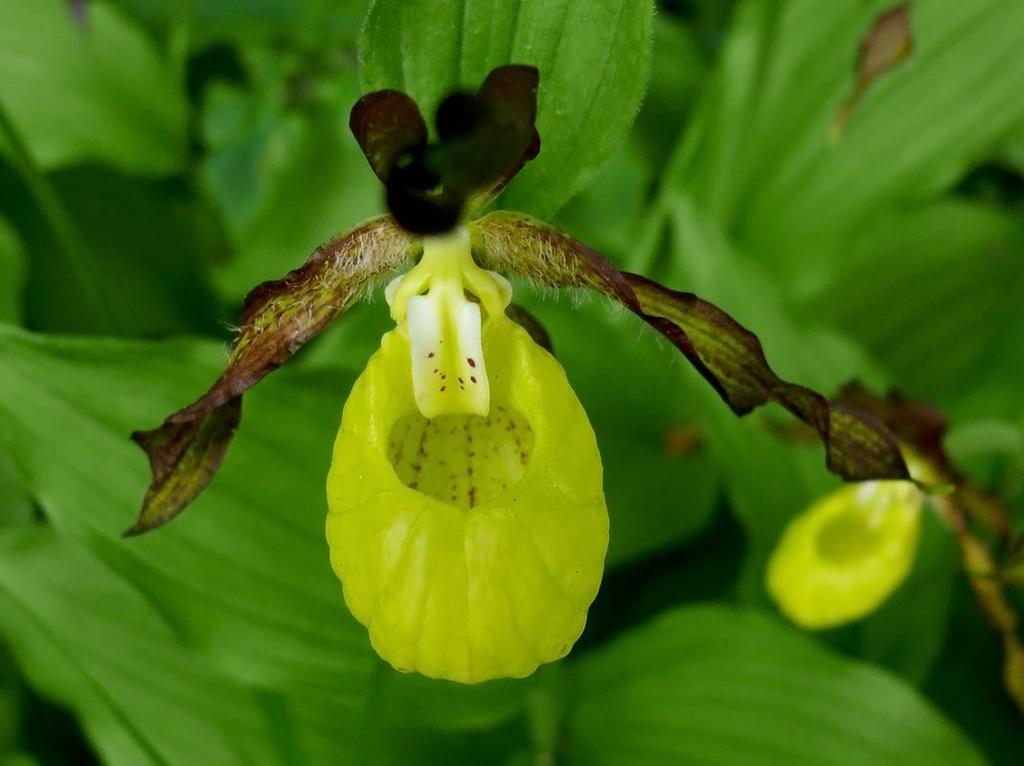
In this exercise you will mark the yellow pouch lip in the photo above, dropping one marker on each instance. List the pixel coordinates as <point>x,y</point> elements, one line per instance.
<point>566,555</point>
<point>818,591</point>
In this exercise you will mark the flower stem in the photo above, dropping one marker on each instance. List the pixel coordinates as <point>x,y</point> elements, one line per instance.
<point>69,238</point>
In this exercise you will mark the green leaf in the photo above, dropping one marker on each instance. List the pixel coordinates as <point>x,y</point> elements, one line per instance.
<point>925,122</point>
<point>606,213</point>
<point>712,156</point>
<point>93,92</point>
<point>931,268</point>
<point>967,682</point>
<point>88,640</point>
<point>151,240</point>
<point>402,745</point>
<point>719,686</point>
<point>239,575</point>
<point>593,62</point>
<point>15,499</point>
<point>759,155</point>
<point>991,453</point>
<point>415,701</point>
<point>12,274</point>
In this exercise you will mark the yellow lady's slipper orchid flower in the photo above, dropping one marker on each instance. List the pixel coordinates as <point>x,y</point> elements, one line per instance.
<point>842,557</point>
<point>467,520</point>
<point>466,514</point>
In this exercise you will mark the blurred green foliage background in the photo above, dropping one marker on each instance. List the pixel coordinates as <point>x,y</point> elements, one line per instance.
<point>158,158</point>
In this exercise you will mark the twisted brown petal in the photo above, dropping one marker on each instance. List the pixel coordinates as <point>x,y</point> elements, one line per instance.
<point>278,318</point>
<point>858,446</point>
<point>917,425</point>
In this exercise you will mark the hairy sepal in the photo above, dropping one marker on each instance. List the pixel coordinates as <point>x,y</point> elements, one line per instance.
<point>278,318</point>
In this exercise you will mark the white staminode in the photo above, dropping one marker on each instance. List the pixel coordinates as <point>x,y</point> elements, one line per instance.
<point>445,301</point>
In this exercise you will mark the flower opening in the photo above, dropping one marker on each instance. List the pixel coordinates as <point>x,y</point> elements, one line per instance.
<point>444,302</point>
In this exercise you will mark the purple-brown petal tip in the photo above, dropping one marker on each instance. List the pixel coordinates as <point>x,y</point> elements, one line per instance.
<point>183,458</point>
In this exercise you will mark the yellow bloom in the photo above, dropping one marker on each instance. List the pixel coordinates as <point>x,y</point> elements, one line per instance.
<point>841,558</point>
<point>467,519</point>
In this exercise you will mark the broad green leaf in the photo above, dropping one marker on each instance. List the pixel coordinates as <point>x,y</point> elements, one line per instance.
<point>945,284</point>
<point>759,156</point>
<point>994,394</point>
<point>244,576</point>
<point>704,260</point>
<point>18,759</point>
<point>88,640</point>
<point>152,242</point>
<point>239,574</point>
<point>12,274</point>
<point>93,92</point>
<point>15,500</point>
<point>401,746</point>
<point>716,686</point>
<point>416,702</point>
<point>924,122</point>
<point>605,214</point>
<point>247,142</point>
<point>593,62</point>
